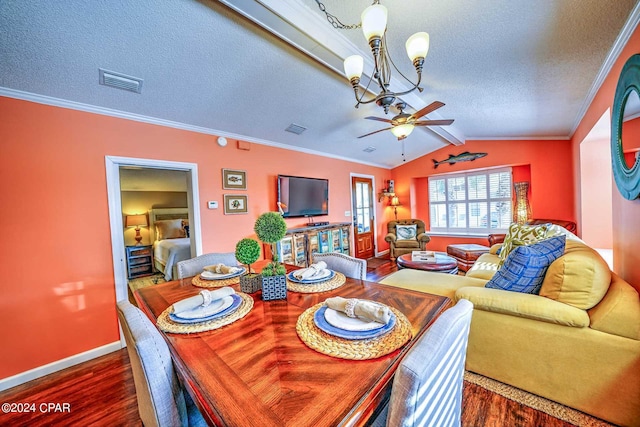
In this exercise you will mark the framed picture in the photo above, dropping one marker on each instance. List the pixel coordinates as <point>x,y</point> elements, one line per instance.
<point>235,204</point>
<point>234,179</point>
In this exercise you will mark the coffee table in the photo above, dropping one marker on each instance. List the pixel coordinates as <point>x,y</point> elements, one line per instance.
<point>444,263</point>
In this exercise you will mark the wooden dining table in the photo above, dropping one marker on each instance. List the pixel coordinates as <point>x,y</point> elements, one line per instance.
<point>258,372</point>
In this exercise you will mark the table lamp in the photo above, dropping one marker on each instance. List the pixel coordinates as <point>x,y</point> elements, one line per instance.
<point>395,203</point>
<point>136,221</point>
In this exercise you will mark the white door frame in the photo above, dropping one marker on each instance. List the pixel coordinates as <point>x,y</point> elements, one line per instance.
<point>113,165</point>
<point>373,200</point>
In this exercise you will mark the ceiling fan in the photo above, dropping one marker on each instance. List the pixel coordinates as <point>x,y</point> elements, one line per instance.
<point>402,124</point>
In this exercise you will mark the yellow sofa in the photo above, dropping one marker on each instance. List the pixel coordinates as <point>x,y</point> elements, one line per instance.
<point>576,343</point>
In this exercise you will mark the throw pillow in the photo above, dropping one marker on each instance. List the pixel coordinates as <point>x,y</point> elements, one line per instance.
<point>526,265</point>
<point>407,232</point>
<point>524,233</point>
<point>169,229</point>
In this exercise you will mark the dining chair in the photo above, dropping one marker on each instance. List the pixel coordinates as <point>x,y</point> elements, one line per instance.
<point>161,398</point>
<point>193,266</point>
<point>427,387</point>
<point>349,266</point>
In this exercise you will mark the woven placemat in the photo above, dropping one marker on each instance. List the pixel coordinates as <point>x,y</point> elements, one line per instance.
<point>342,348</point>
<point>335,282</point>
<point>203,283</point>
<point>166,324</point>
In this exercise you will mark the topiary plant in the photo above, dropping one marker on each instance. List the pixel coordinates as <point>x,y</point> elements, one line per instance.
<point>247,252</point>
<point>270,228</point>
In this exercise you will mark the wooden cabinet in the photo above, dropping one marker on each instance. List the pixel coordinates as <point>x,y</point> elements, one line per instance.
<point>299,244</point>
<point>139,261</point>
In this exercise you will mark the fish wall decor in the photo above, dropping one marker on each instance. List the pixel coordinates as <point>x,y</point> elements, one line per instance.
<point>462,157</point>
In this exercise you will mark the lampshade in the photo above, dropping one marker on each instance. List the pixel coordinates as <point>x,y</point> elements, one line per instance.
<point>402,131</point>
<point>353,66</point>
<point>417,45</point>
<point>136,220</point>
<point>395,201</point>
<point>374,21</point>
<point>522,208</point>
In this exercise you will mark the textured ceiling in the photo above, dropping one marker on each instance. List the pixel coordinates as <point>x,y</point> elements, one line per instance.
<point>517,69</point>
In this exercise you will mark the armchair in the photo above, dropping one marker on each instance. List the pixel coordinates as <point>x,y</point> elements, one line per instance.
<point>399,246</point>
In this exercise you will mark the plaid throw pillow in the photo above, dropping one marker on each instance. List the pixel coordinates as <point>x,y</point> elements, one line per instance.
<point>526,265</point>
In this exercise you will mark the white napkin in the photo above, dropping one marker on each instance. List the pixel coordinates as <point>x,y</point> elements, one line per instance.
<point>200,299</point>
<point>221,269</point>
<point>366,310</point>
<point>311,271</point>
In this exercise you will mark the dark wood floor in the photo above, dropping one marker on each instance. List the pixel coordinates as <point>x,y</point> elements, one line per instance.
<point>101,392</point>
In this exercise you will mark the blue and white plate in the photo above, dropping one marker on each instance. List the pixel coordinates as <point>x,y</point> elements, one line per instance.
<point>321,322</point>
<point>325,276</point>
<point>223,309</point>
<point>208,275</point>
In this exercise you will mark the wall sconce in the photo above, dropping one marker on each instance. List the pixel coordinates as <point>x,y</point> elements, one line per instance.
<point>522,208</point>
<point>395,203</point>
<point>136,221</point>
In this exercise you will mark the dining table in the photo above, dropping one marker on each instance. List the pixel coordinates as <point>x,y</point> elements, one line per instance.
<point>257,371</point>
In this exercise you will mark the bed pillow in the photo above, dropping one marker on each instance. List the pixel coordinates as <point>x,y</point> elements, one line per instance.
<point>525,267</point>
<point>185,226</point>
<point>169,229</point>
<point>407,232</point>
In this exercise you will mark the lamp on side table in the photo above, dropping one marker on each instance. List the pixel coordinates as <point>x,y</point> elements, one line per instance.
<point>136,221</point>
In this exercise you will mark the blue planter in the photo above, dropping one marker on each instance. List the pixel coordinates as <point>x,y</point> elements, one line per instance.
<point>274,287</point>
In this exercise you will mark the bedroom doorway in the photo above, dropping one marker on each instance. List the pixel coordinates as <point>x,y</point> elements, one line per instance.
<point>116,217</point>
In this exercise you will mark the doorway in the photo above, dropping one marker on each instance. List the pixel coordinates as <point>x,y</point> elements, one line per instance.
<point>363,216</point>
<point>113,165</point>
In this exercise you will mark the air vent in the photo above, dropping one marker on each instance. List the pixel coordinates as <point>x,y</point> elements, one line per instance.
<point>369,149</point>
<point>120,81</point>
<point>294,128</point>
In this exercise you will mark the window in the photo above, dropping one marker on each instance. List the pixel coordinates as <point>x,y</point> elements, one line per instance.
<point>471,202</point>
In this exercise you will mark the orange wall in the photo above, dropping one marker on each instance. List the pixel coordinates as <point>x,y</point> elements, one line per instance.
<point>545,164</point>
<point>626,213</point>
<point>58,296</point>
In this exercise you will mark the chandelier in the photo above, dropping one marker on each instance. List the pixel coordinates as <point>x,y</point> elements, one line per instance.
<point>374,25</point>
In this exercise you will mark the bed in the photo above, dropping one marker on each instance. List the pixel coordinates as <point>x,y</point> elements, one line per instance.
<point>171,244</point>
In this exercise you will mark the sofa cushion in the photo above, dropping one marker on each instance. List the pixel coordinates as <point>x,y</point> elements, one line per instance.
<point>406,232</point>
<point>485,267</point>
<point>579,278</point>
<point>524,305</point>
<point>525,267</point>
<point>619,311</point>
<point>430,282</point>
<point>523,233</point>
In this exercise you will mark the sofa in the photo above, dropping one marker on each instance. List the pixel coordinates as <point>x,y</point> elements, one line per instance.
<point>577,342</point>
<point>399,244</point>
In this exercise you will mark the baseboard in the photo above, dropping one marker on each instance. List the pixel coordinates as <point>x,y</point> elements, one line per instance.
<point>385,252</point>
<point>41,371</point>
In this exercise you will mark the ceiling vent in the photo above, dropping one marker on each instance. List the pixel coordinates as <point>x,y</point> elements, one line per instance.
<point>294,128</point>
<point>369,149</point>
<point>120,81</point>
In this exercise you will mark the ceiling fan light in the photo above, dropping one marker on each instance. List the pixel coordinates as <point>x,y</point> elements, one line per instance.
<point>417,45</point>
<point>353,66</point>
<point>374,21</point>
<point>402,131</point>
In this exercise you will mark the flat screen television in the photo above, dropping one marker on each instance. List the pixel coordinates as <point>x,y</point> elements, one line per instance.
<point>300,197</point>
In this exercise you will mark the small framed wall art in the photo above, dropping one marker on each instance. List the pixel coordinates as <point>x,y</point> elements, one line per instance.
<point>234,179</point>
<point>235,204</point>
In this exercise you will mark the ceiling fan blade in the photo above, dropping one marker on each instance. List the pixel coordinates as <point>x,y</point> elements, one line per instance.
<point>433,122</point>
<point>428,109</point>
<point>380,130</point>
<point>380,119</point>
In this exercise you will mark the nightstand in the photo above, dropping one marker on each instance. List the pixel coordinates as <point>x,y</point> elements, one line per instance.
<point>139,261</point>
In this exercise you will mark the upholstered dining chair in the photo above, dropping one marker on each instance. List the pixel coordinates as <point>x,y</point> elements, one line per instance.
<point>161,398</point>
<point>349,266</point>
<point>427,387</point>
<point>405,236</point>
<point>193,266</point>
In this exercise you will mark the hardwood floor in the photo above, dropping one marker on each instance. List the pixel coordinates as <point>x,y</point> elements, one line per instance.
<point>101,392</point>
